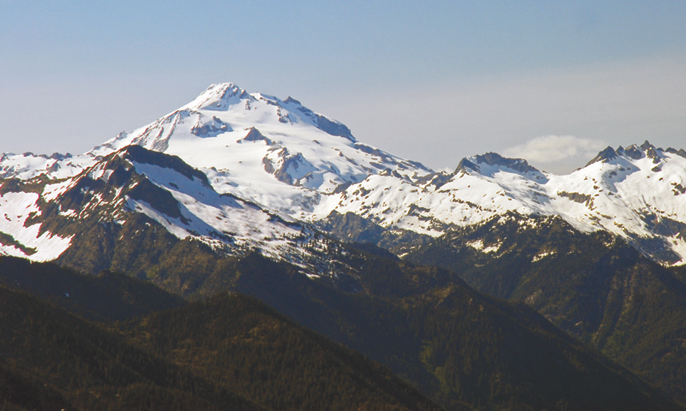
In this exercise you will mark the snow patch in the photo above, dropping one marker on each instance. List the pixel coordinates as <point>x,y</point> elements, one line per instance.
<point>541,255</point>
<point>479,246</point>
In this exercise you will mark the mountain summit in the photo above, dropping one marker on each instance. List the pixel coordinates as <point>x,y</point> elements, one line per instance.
<point>276,152</point>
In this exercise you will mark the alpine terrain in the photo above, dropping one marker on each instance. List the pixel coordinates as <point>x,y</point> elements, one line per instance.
<point>494,286</point>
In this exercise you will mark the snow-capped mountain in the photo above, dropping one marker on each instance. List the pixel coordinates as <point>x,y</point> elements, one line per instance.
<point>289,161</point>
<point>134,192</point>
<point>262,159</point>
<point>274,152</point>
<point>635,193</point>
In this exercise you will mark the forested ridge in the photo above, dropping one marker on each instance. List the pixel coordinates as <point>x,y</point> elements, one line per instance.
<point>594,286</point>
<point>247,357</point>
<point>462,348</point>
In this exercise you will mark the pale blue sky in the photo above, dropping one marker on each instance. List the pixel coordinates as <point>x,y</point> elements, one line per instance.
<point>433,81</point>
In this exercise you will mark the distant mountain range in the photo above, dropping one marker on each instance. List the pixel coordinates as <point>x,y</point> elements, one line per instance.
<point>248,193</point>
<point>292,162</point>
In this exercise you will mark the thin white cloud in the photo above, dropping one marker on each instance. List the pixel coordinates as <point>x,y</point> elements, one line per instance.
<point>553,149</point>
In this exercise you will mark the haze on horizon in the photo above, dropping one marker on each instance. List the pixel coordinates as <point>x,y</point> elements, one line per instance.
<point>553,82</point>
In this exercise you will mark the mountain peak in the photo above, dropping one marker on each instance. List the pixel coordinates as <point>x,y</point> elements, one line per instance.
<point>608,154</point>
<point>633,151</point>
<point>226,89</point>
<point>495,159</point>
<point>647,146</point>
<point>218,97</point>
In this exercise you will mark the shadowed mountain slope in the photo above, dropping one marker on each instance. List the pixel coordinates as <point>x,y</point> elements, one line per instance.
<point>594,286</point>
<point>239,354</point>
<point>105,297</point>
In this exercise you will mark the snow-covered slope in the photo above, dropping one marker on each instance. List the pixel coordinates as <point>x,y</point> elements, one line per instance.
<point>21,238</point>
